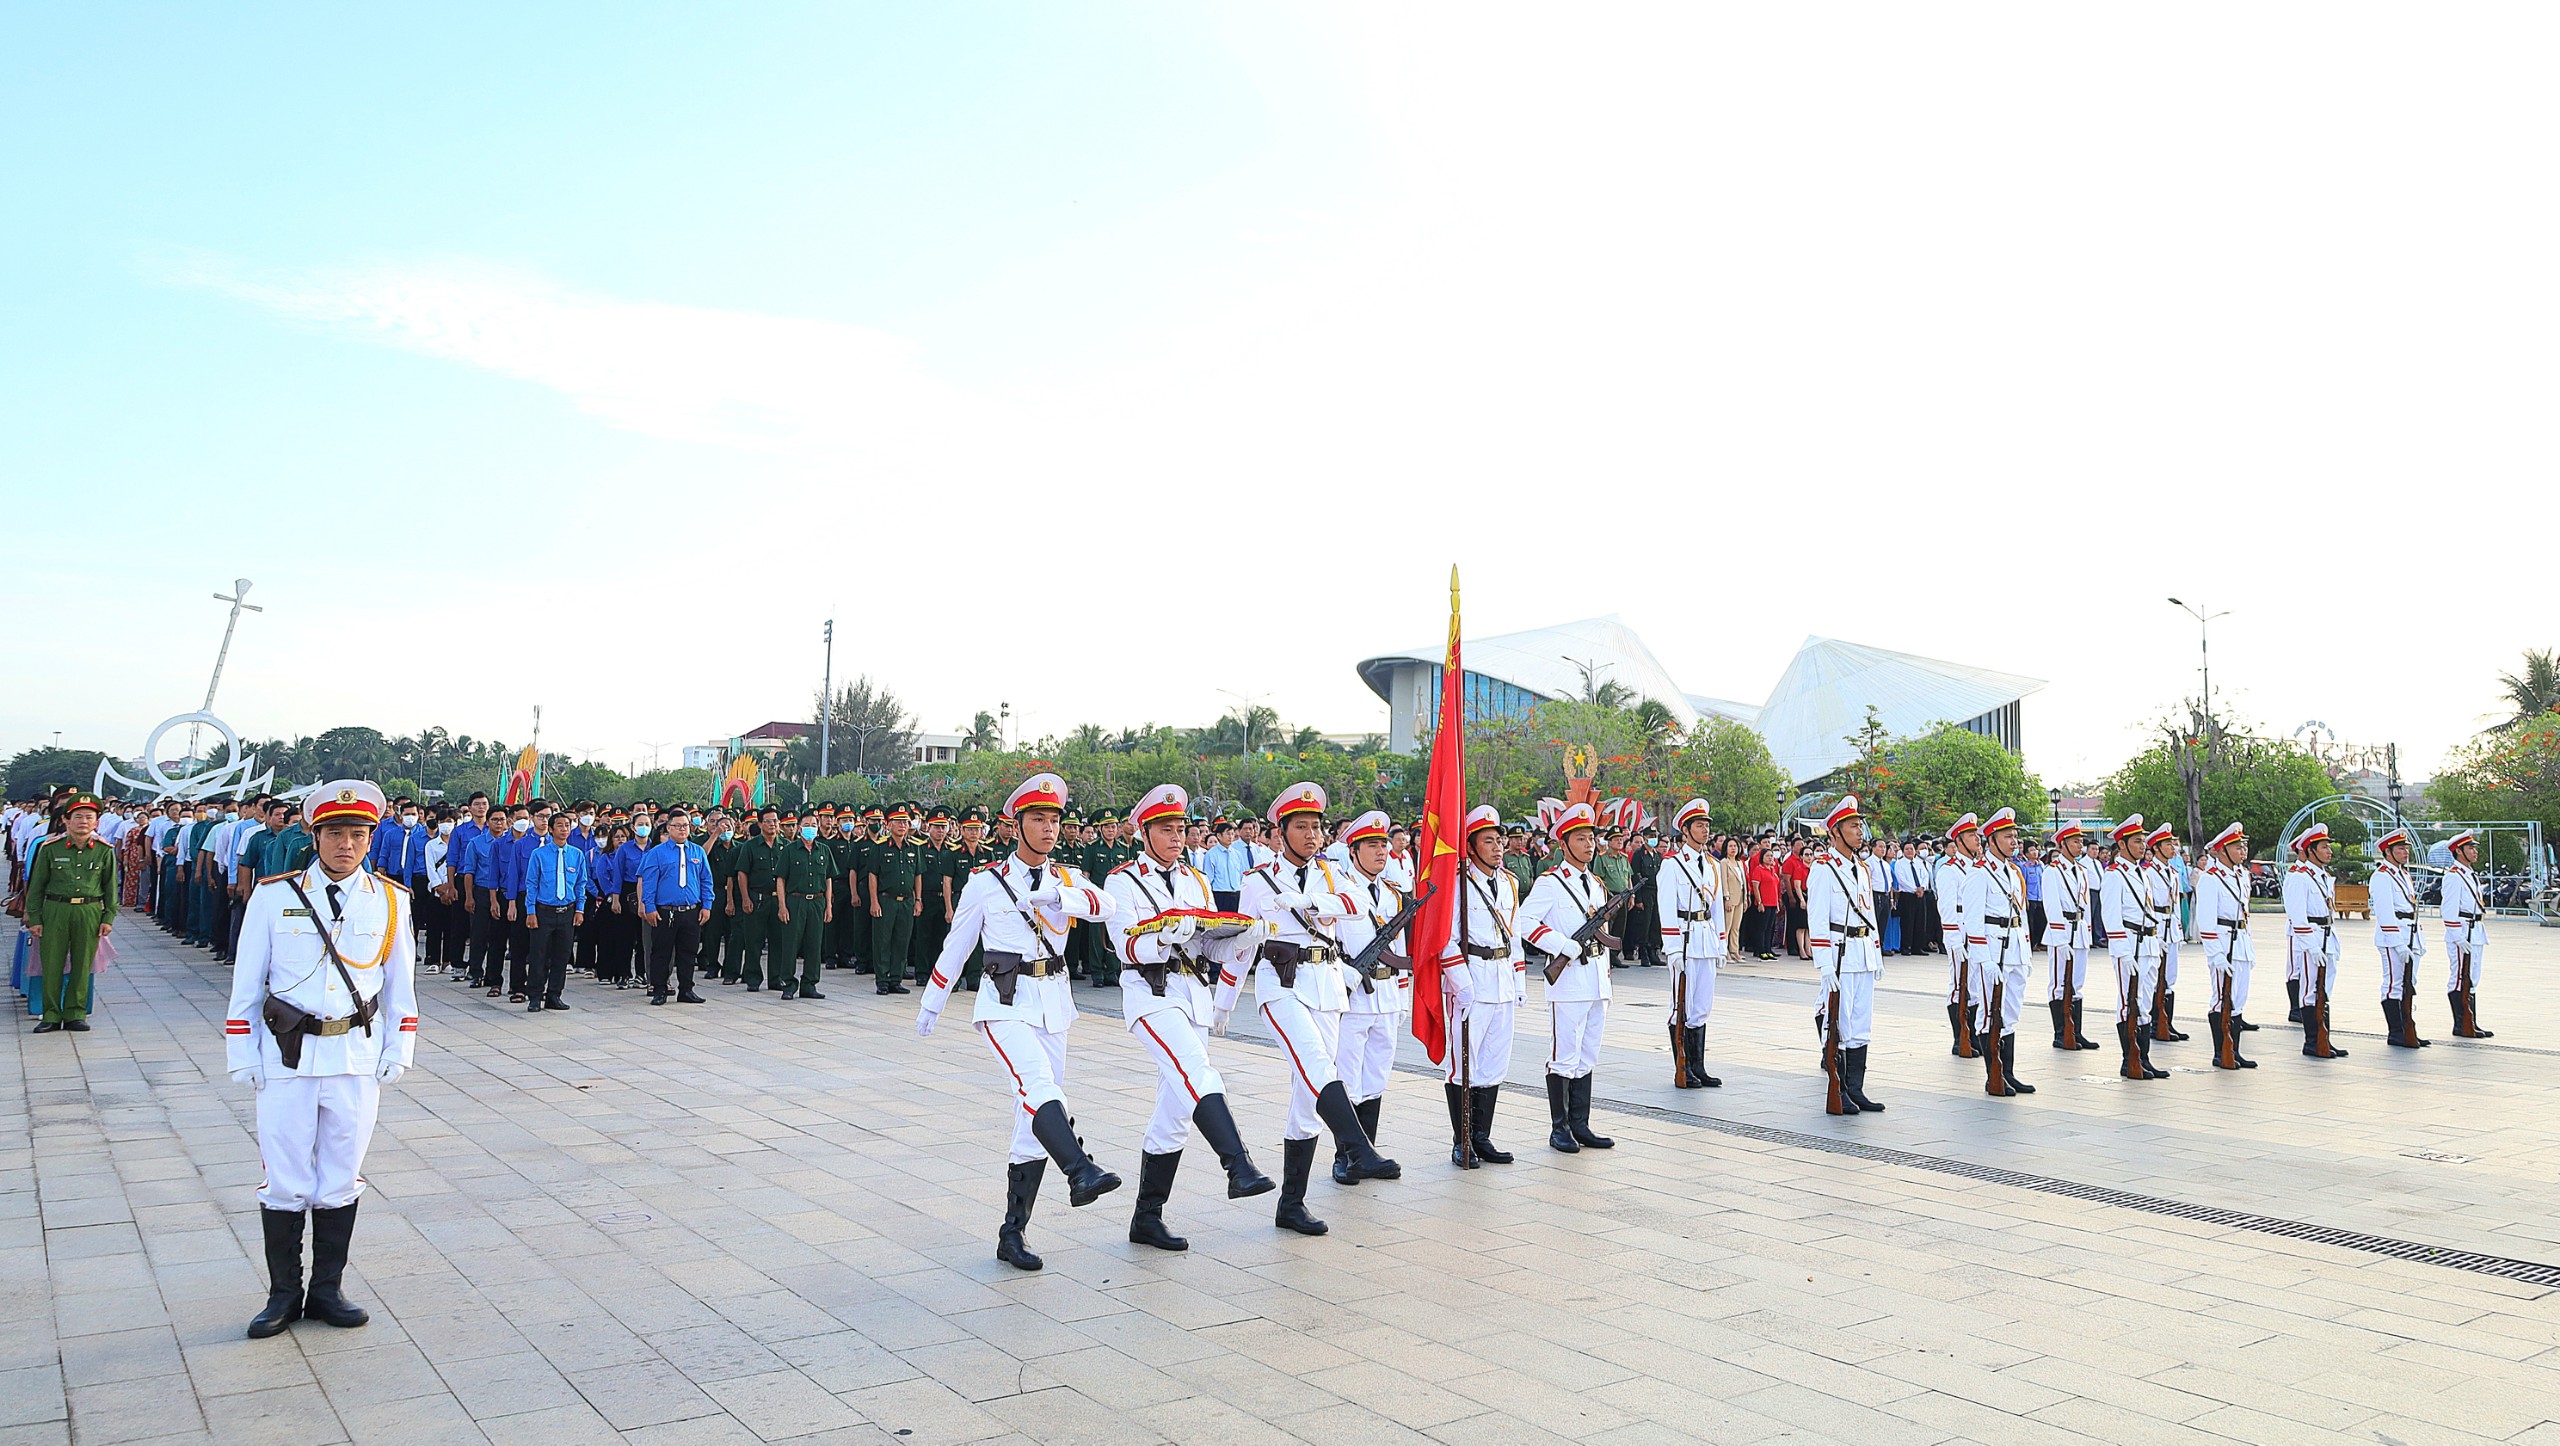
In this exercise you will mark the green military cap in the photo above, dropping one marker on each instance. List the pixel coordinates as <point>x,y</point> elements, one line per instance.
<point>78,799</point>
<point>973,814</point>
<point>875,811</point>
<point>938,814</point>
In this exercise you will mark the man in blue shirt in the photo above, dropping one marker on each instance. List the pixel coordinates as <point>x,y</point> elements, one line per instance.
<point>555,904</point>
<point>1223,864</point>
<point>461,861</point>
<point>676,900</point>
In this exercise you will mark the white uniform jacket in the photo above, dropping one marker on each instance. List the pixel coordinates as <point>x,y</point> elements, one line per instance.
<point>2395,911</point>
<point>281,955</point>
<point>1034,931</point>
<point>2463,905</point>
<point>2125,911</point>
<point>1839,915</point>
<point>2222,913</point>
<point>1949,883</point>
<point>1378,898</point>
<point>1141,889</point>
<point>2310,910</point>
<point>2066,894</point>
<point>1288,899</point>
<point>1689,895</point>
<point>1558,903</point>
<point>1995,910</point>
<point>1488,923</point>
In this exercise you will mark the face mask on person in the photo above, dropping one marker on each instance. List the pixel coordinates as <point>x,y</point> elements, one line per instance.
<point>845,826</point>
<point>809,830</point>
<point>639,830</point>
<point>522,825</point>
<point>727,832</point>
<point>444,828</point>
<point>410,819</point>
<point>586,820</point>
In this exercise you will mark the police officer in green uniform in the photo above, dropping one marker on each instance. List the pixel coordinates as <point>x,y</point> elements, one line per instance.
<point>808,902</point>
<point>71,906</point>
<point>895,898</point>
<point>759,869</point>
<point>971,854</point>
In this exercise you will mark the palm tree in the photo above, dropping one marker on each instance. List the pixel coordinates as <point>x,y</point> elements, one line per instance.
<point>2536,692</point>
<point>1655,720</point>
<point>1610,695</point>
<point>1087,738</point>
<point>983,733</point>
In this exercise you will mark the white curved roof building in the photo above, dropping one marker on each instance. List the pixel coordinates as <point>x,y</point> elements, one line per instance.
<point>1821,698</point>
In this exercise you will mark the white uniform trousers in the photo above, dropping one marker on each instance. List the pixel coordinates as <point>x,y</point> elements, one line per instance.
<point>1488,1038</point>
<point>2068,963</point>
<point>2137,982</point>
<point>2455,953</point>
<point>1183,1075</point>
<point>2315,969</point>
<point>1699,977</point>
<point>1576,1026</point>
<point>1307,1038</point>
<point>1857,1009</point>
<point>312,1135</point>
<point>2394,962</point>
<point>1366,1052</point>
<point>2237,971</point>
<point>2012,979</point>
<point>1034,1065</point>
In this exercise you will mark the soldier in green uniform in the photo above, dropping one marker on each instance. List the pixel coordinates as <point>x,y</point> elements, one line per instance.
<point>1080,936</point>
<point>807,903</point>
<point>1517,858</point>
<point>759,869</point>
<point>292,850</point>
<point>71,906</point>
<point>895,898</point>
<point>845,934</point>
<point>934,924</point>
<point>720,848</point>
<point>971,854</point>
<point>866,839</point>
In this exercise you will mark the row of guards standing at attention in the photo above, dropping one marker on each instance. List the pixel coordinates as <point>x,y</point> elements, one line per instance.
<point>1689,898</point>
<point>323,1014</point>
<point>71,887</point>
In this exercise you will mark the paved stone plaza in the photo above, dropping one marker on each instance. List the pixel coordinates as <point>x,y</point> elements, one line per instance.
<point>765,1221</point>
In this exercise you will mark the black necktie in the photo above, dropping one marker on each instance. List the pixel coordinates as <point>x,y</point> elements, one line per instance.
<point>1035,879</point>
<point>336,912</point>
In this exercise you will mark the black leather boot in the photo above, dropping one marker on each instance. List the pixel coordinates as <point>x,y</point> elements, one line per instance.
<point>1155,1186</point>
<point>331,1230</point>
<point>2080,1022</point>
<point>2293,1001</point>
<point>1578,1092</point>
<point>1086,1181</point>
<point>1486,1150</point>
<point>1458,1153</point>
<point>1021,1188</point>
<point>1366,1111</point>
<point>2055,1007</point>
<point>1855,1086</point>
<point>283,1229</point>
<point>2165,1027</point>
<point>2142,1047</point>
<point>2395,1033</point>
<point>1218,1127</point>
<point>1297,1161</point>
<point>1698,1076</point>
<point>1560,1118</point>
<point>1955,1029</point>
<point>2009,1065</point>
<point>1333,1106</point>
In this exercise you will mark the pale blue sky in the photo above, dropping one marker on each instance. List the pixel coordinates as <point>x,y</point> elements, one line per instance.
<point>456,330</point>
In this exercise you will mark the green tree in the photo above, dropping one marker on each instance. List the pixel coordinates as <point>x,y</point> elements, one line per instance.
<point>2265,782</point>
<point>350,752</point>
<point>1932,780</point>
<point>2510,774</point>
<point>40,770</point>
<point>565,782</point>
<point>870,731</point>
<point>669,785</point>
<point>984,733</point>
<point>2534,693</point>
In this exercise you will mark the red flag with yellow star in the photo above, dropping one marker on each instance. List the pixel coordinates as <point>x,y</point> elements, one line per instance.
<point>1441,848</point>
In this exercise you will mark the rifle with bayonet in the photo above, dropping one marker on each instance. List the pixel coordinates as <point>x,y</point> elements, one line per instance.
<point>1366,965</point>
<point>1591,929</point>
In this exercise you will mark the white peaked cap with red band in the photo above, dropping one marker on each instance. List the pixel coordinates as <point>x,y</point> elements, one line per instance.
<point>1694,808</point>
<point>1370,825</point>
<point>349,800</point>
<point>1297,798</point>
<point>2068,830</point>
<point>2317,833</point>
<point>2230,833</point>
<point>1961,827</point>
<point>2458,840</point>
<point>2130,828</point>
<point>2396,836</point>
<point>2162,834</point>
<point>2005,818</point>
<point>1166,800</point>
<point>1040,790</point>
<point>1841,812</point>
<point>1575,815</point>
<point>1483,816</point>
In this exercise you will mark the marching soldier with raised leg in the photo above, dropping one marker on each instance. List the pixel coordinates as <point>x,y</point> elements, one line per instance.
<point>1848,952</point>
<point>2222,923</point>
<point>1021,908</point>
<point>1166,979</point>
<point>324,1013</point>
<point>1569,916</point>
<point>2070,914</point>
<point>2465,938</point>
<point>2310,912</point>
<point>2394,898</point>
<point>1995,920</point>
<point>1484,973</point>
<point>1689,893</point>
<point>2133,945</point>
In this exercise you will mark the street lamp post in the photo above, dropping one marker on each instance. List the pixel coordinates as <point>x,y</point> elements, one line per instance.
<point>826,698</point>
<point>1782,810</point>
<point>1247,708</point>
<point>2053,814</point>
<point>2203,654</point>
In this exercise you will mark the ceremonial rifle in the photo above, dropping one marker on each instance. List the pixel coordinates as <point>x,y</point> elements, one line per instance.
<point>1365,963</point>
<point>1596,921</point>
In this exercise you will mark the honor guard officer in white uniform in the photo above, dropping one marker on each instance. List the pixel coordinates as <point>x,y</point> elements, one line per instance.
<point>1563,901</point>
<point>2222,924</point>
<point>2310,914</point>
<point>1484,973</point>
<point>1949,885</point>
<point>1302,989</point>
<point>1995,921</point>
<point>324,1013</point>
<point>2132,924</point>
<point>1379,1002</point>
<point>2161,863</point>
<point>1840,926</point>
<point>2465,937</point>
<point>1689,895</point>
<point>2070,914</point>
<point>1020,908</point>
<point>1167,976</point>
<point>2394,896</point>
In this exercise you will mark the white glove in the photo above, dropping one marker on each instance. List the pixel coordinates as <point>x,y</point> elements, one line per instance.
<point>1218,1026</point>
<point>1461,990</point>
<point>389,1071</point>
<point>924,1021</point>
<point>1042,898</point>
<point>1180,931</point>
<point>252,1076</point>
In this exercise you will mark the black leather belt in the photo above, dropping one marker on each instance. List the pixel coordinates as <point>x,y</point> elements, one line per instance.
<point>2320,919</point>
<point>1034,968</point>
<point>1997,922</point>
<point>75,898</point>
<point>1697,916</point>
<point>1485,951</point>
<point>1315,954</point>
<point>1857,933</point>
